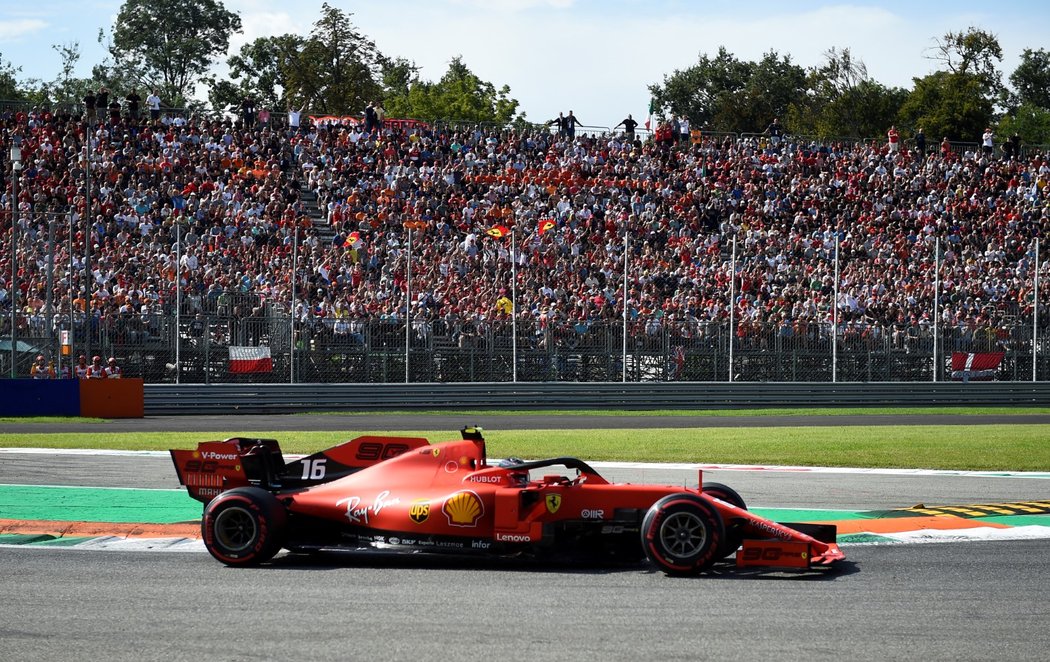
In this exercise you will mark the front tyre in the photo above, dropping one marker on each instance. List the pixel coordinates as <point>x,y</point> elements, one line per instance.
<point>734,528</point>
<point>682,534</point>
<point>244,526</point>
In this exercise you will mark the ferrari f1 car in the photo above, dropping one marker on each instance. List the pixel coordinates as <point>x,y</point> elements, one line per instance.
<point>404,492</point>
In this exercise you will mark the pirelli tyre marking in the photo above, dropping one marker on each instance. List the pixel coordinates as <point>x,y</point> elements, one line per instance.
<point>986,509</point>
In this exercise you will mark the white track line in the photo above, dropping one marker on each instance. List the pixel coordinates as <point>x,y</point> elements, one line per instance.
<point>665,466</point>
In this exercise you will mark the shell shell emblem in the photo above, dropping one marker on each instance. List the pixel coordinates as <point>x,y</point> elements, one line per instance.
<point>463,509</point>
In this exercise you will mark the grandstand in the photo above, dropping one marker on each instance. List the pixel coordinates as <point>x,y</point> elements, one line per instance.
<point>359,257</point>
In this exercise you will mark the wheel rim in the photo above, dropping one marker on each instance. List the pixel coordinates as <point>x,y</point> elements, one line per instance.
<point>683,534</point>
<point>235,529</point>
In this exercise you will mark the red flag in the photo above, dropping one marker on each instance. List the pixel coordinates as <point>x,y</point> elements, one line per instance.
<point>250,359</point>
<point>353,240</point>
<point>498,231</point>
<point>415,225</point>
<point>547,224</point>
<point>979,366</point>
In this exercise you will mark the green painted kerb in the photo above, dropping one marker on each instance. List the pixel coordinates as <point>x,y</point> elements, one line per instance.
<point>86,504</point>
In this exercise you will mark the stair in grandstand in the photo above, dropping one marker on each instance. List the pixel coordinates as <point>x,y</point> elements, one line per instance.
<point>318,217</point>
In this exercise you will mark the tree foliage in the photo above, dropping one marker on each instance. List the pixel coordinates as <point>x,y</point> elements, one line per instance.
<point>170,44</point>
<point>1030,122</point>
<point>338,68</point>
<point>1031,79</point>
<point>723,93</point>
<point>460,95</point>
<point>260,70</point>
<point>949,104</point>
<point>842,100</point>
<point>9,88</point>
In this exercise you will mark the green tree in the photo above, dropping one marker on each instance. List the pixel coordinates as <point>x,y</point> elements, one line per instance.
<point>338,68</point>
<point>948,104</point>
<point>459,95</point>
<point>9,88</point>
<point>843,100</point>
<point>259,70</point>
<point>974,52</point>
<point>170,44</point>
<point>1030,122</point>
<point>725,94</point>
<point>1031,79</point>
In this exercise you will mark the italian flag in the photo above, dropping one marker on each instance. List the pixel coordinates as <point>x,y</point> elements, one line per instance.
<point>250,359</point>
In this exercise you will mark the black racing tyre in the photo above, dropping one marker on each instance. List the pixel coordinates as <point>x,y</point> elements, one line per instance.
<point>244,526</point>
<point>682,534</point>
<point>734,530</point>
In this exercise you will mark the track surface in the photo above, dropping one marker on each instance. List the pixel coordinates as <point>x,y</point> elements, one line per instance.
<point>355,422</point>
<point>951,601</point>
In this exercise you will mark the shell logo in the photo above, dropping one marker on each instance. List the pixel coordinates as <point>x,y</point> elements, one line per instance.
<point>463,509</point>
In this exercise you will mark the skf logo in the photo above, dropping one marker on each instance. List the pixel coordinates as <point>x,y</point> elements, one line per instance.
<point>463,509</point>
<point>553,503</point>
<point>419,511</point>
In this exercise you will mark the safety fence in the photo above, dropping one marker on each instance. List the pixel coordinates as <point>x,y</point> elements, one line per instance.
<point>166,399</point>
<point>196,349</point>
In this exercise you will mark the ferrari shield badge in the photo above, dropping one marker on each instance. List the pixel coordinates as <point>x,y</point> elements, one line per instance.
<point>553,503</point>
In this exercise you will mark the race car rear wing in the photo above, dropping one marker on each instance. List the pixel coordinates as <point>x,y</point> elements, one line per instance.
<point>217,466</point>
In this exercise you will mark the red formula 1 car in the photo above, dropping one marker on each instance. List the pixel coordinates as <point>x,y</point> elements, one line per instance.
<point>404,492</point>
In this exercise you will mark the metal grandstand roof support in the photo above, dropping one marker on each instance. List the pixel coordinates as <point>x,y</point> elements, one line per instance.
<point>626,244</point>
<point>936,297</point>
<point>16,171</point>
<point>513,304</point>
<point>835,317</point>
<point>291,318</point>
<point>1035,310</point>
<point>87,239</point>
<point>178,298</point>
<point>408,301</point>
<point>732,306</point>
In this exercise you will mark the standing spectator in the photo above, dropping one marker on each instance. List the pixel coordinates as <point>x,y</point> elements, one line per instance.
<point>39,369</point>
<point>248,112</point>
<point>562,123</point>
<point>370,117</point>
<point>82,368</point>
<point>134,103</point>
<point>96,370</point>
<point>153,101</point>
<point>89,107</point>
<point>380,115</point>
<point>102,98</point>
<point>683,129</point>
<point>775,131</point>
<point>294,117</point>
<point>629,125</point>
<point>893,139</point>
<point>1012,147</point>
<point>264,117</point>
<point>114,111</point>
<point>570,126</point>
<point>920,142</point>
<point>946,147</point>
<point>113,371</point>
<point>988,141</point>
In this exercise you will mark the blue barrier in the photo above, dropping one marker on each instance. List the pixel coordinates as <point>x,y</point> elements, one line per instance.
<point>39,397</point>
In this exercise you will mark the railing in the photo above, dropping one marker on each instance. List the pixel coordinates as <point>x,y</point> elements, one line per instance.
<point>274,399</point>
<point>195,349</point>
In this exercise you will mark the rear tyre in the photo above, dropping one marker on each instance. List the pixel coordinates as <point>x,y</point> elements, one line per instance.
<point>682,534</point>
<point>244,526</point>
<point>734,530</point>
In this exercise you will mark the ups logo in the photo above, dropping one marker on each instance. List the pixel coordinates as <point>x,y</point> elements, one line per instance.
<point>419,511</point>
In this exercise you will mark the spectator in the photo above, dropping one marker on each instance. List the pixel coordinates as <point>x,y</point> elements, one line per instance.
<point>113,371</point>
<point>39,369</point>
<point>153,103</point>
<point>988,141</point>
<point>920,142</point>
<point>775,131</point>
<point>134,103</point>
<point>294,118</point>
<point>629,125</point>
<point>371,121</point>
<point>82,369</point>
<point>893,140</point>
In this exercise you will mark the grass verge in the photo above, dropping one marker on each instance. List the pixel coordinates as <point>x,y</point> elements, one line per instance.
<point>823,411</point>
<point>976,447</point>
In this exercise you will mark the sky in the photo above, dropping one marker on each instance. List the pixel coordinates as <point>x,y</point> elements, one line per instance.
<point>594,57</point>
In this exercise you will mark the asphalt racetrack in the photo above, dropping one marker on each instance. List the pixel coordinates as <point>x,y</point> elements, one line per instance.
<point>945,601</point>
